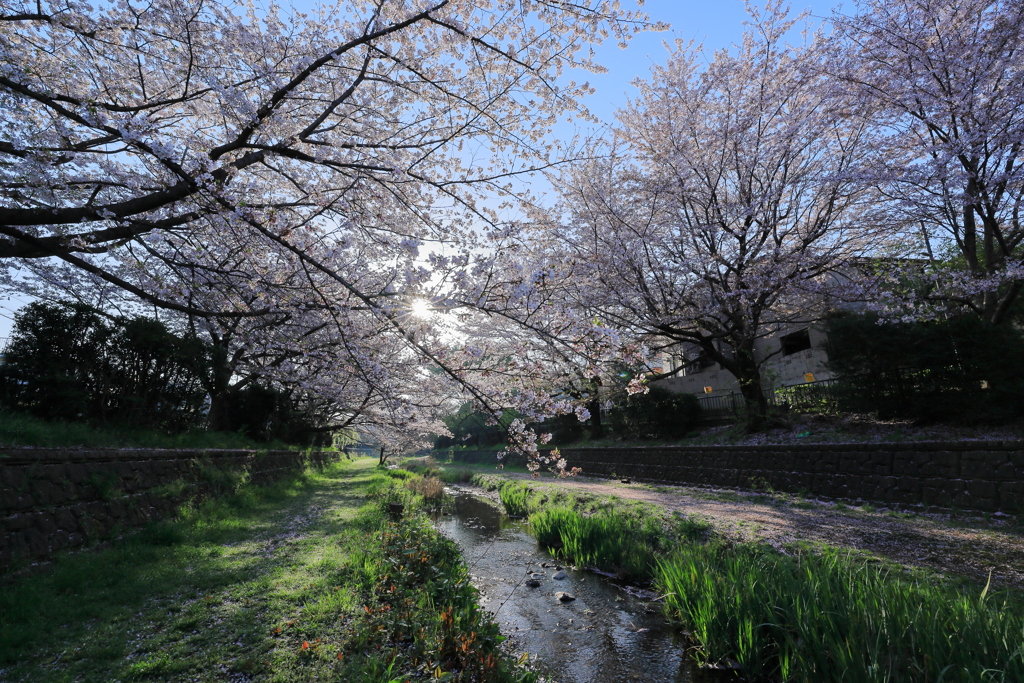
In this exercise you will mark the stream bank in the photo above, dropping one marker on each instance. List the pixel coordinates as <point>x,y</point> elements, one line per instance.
<point>784,613</point>
<point>604,635</point>
<point>955,543</point>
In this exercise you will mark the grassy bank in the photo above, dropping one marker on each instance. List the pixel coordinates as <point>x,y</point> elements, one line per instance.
<point>439,464</point>
<point>795,615</point>
<point>305,580</point>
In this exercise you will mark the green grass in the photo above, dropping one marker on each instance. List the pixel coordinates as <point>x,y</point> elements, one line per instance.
<point>819,615</point>
<point>515,497</point>
<point>439,460</point>
<point>625,537</point>
<point>459,476</point>
<point>22,430</point>
<point>456,448</point>
<point>836,617</point>
<point>305,580</point>
<point>449,473</point>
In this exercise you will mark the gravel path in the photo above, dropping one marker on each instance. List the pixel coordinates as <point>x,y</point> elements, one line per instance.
<point>970,545</point>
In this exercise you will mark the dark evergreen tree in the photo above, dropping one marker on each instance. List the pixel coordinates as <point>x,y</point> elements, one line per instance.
<point>961,369</point>
<point>658,414</point>
<point>68,362</point>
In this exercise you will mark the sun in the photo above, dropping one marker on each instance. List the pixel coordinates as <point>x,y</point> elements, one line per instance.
<point>421,308</point>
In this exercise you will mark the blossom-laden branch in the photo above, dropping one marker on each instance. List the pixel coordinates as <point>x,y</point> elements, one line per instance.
<point>286,184</point>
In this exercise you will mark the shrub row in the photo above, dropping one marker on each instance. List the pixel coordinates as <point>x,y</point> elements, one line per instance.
<point>952,370</point>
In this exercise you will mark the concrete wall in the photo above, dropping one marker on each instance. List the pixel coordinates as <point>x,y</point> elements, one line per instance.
<point>972,475</point>
<point>52,499</point>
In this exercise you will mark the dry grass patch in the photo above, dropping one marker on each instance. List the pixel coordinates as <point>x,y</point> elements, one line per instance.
<point>431,488</point>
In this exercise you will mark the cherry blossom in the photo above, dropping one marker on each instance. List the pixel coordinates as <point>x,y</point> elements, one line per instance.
<point>289,184</point>
<point>727,204</point>
<point>942,84</point>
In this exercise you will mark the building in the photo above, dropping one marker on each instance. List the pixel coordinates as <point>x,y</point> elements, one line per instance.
<point>797,355</point>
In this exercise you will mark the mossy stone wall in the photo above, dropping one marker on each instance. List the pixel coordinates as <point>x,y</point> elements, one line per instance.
<point>971,475</point>
<point>51,499</point>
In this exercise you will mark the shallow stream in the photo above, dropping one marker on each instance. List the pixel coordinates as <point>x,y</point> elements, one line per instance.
<point>604,635</point>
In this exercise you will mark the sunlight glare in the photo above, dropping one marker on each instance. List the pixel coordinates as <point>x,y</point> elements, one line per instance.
<point>421,308</point>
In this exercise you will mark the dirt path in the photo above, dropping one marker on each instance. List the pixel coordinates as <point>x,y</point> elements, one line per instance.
<point>967,545</point>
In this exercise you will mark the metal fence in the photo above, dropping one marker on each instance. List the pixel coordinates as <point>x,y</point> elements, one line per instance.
<point>724,407</point>
<point>821,396</point>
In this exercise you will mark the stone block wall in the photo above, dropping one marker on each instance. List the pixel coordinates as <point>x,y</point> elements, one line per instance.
<point>971,475</point>
<point>52,499</point>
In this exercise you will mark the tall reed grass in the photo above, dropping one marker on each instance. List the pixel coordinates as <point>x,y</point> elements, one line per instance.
<point>832,617</point>
<point>516,498</point>
<point>610,540</point>
<point>811,618</point>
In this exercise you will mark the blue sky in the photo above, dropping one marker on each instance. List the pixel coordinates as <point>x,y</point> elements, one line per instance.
<point>715,23</point>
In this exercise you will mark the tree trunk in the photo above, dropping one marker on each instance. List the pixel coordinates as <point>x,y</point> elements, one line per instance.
<point>756,403</point>
<point>596,425</point>
<point>219,388</point>
<point>383,458</point>
<point>594,406</point>
<point>748,374</point>
<point>219,417</point>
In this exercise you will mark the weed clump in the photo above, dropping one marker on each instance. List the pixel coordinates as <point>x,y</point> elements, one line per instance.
<point>430,488</point>
<point>516,498</point>
<point>617,540</point>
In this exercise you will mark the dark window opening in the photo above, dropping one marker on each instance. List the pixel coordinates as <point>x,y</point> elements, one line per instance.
<point>796,341</point>
<point>697,361</point>
<point>704,361</point>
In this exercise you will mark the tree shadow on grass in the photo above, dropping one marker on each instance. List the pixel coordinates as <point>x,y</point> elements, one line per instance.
<point>202,594</point>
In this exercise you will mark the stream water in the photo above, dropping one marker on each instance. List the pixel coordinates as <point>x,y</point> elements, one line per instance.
<point>605,635</point>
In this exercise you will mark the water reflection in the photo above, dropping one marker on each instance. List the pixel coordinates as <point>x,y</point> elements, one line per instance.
<point>604,635</point>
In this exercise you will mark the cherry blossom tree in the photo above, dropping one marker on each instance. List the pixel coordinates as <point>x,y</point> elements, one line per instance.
<point>131,120</point>
<point>542,353</point>
<point>943,83</point>
<point>352,376</point>
<point>726,204</point>
<point>314,174</point>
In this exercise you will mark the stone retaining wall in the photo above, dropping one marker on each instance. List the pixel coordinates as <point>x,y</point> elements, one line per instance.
<point>477,457</point>
<point>972,475</point>
<point>52,499</point>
